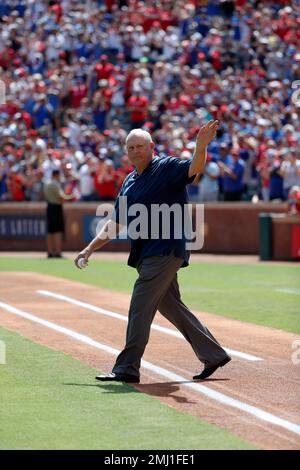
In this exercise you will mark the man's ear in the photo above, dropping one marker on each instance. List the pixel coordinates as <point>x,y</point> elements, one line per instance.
<point>152,145</point>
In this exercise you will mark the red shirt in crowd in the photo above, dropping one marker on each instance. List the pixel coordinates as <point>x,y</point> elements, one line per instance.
<point>77,93</point>
<point>57,10</point>
<point>109,4</point>
<point>27,119</point>
<point>103,97</point>
<point>105,185</point>
<point>129,77</point>
<point>181,101</point>
<point>104,70</point>
<point>138,105</point>
<point>15,187</point>
<point>9,108</point>
<point>6,57</point>
<point>154,14</point>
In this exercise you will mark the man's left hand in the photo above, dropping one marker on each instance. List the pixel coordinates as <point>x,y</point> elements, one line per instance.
<point>207,133</point>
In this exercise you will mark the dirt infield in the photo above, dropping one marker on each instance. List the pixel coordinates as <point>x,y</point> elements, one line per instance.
<point>271,385</point>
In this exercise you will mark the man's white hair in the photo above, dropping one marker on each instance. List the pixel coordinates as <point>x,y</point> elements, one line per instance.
<point>139,133</point>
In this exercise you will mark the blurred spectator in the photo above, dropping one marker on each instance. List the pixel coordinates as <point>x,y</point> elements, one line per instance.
<point>86,178</point>
<point>4,195</point>
<point>209,188</point>
<point>33,183</point>
<point>294,200</point>
<point>290,171</point>
<point>275,178</point>
<point>232,171</point>
<point>71,187</point>
<point>106,181</point>
<point>42,112</point>
<point>138,107</point>
<point>15,185</point>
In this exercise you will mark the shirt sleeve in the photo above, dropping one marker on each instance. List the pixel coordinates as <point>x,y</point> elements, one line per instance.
<point>178,172</point>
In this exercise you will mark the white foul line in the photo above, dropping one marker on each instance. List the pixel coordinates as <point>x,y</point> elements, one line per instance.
<point>288,290</point>
<point>118,316</point>
<point>217,396</point>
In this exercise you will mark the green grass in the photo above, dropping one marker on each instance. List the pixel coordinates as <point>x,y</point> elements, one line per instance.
<point>244,292</point>
<point>51,401</point>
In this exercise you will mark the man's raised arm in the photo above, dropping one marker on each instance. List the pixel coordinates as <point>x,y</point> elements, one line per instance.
<point>205,135</point>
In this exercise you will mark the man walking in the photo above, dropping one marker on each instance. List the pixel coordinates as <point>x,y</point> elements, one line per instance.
<point>157,181</point>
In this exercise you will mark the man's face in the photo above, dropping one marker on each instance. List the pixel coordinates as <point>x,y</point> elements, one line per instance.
<point>139,150</point>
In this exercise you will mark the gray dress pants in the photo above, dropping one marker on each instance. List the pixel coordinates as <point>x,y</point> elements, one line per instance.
<point>157,289</point>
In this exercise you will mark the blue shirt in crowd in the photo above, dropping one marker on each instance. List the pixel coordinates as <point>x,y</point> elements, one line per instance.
<point>230,184</point>
<point>162,182</point>
<point>42,114</point>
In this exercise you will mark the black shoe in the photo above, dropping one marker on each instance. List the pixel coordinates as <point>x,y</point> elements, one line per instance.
<point>50,255</point>
<point>208,371</point>
<point>59,255</point>
<point>118,378</point>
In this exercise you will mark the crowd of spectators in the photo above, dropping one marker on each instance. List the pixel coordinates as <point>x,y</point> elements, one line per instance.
<point>79,75</point>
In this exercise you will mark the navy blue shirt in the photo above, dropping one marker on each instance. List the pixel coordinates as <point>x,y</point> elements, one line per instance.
<point>162,182</point>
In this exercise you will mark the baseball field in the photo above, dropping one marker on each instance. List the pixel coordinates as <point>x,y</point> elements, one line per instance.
<point>60,326</point>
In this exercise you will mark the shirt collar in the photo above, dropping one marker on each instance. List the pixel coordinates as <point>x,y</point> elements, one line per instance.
<point>135,173</point>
